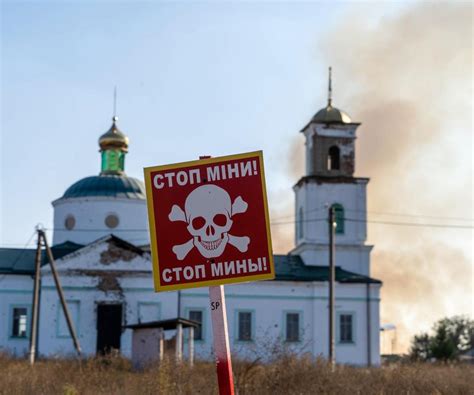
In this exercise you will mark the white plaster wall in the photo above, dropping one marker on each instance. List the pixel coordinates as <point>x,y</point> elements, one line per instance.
<point>15,291</point>
<point>90,214</point>
<point>335,130</point>
<point>136,291</point>
<point>323,130</point>
<point>268,301</point>
<point>354,258</point>
<point>309,133</point>
<point>317,198</point>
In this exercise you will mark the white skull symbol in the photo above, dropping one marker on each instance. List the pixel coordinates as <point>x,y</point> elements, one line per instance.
<point>208,211</point>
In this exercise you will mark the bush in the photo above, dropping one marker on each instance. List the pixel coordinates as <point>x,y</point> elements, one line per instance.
<point>451,336</point>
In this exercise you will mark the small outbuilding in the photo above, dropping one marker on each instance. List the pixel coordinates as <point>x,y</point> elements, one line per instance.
<point>148,340</point>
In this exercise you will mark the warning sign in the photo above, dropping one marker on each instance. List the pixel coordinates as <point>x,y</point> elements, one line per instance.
<point>209,222</point>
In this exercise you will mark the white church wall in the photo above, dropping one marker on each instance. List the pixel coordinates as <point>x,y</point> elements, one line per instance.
<point>109,272</point>
<point>90,214</point>
<point>315,199</point>
<point>16,291</point>
<point>352,258</point>
<point>269,301</point>
<point>138,300</point>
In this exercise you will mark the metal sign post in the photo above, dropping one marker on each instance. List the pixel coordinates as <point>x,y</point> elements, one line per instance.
<point>220,332</point>
<point>225,378</point>
<point>209,226</point>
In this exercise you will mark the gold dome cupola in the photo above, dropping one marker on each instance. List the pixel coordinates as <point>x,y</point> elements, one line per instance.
<point>331,114</point>
<point>113,147</point>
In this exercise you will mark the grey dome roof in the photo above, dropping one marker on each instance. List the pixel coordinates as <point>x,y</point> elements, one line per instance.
<point>117,186</point>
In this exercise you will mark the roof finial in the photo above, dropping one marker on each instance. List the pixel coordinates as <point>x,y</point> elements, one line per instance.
<point>115,118</point>
<point>330,88</point>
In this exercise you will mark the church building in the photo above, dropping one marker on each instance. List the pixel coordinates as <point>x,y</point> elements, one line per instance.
<point>101,248</point>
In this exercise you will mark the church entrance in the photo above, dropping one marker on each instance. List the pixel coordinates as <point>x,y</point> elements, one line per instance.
<point>109,327</point>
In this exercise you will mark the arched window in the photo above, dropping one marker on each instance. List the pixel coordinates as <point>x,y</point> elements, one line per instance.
<point>339,216</point>
<point>300,224</point>
<point>333,158</point>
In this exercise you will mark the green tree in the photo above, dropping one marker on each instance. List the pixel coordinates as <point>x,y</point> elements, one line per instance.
<point>451,336</point>
<point>420,347</point>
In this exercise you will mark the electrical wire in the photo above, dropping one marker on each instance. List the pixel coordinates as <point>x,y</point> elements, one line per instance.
<point>447,226</point>
<point>20,254</point>
<point>365,212</point>
<point>292,222</point>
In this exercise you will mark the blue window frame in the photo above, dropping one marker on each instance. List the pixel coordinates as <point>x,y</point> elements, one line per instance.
<point>339,216</point>
<point>292,327</point>
<point>346,328</point>
<point>19,322</point>
<point>197,315</point>
<point>300,224</point>
<point>245,325</point>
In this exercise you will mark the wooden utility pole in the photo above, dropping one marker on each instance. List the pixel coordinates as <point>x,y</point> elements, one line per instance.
<point>35,312</point>
<point>36,294</point>
<point>60,293</point>
<point>332,280</point>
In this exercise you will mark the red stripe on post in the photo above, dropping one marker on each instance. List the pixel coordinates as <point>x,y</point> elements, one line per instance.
<point>221,340</point>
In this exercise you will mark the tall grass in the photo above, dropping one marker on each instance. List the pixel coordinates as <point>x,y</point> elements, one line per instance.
<point>286,375</point>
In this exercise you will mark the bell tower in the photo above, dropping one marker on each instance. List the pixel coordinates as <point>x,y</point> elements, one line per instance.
<point>330,138</point>
<point>329,182</point>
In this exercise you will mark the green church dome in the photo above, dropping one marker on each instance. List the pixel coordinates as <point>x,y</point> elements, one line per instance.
<point>117,186</point>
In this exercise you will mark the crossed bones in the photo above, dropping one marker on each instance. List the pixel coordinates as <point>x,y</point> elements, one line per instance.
<point>208,213</point>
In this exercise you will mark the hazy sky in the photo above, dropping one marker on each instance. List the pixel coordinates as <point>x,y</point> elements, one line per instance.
<point>198,78</point>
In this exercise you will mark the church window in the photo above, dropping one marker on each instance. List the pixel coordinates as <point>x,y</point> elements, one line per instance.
<point>333,158</point>
<point>300,223</point>
<point>111,221</point>
<point>346,328</point>
<point>292,327</point>
<point>339,216</point>
<point>244,328</point>
<point>196,315</point>
<point>20,322</point>
<point>69,222</point>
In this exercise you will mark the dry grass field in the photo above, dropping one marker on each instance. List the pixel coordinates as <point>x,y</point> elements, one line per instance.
<point>286,375</point>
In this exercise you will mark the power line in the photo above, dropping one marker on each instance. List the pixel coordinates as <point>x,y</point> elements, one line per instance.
<point>20,254</point>
<point>321,208</point>
<point>412,215</point>
<point>412,224</point>
<point>310,220</point>
<point>274,223</point>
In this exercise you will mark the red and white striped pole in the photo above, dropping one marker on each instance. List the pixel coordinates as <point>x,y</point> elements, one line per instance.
<point>220,333</point>
<point>221,340</point>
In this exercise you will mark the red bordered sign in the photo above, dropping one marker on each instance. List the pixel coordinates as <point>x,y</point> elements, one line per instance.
<point>209,222</point>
